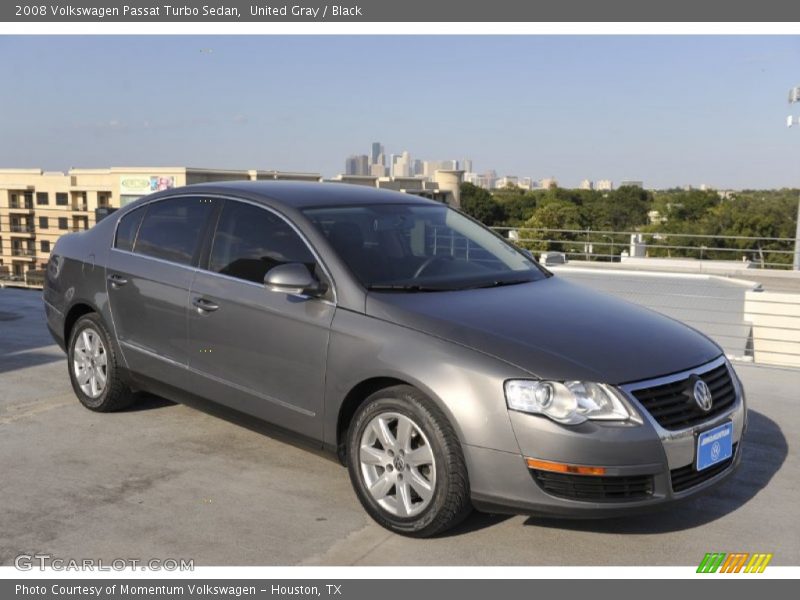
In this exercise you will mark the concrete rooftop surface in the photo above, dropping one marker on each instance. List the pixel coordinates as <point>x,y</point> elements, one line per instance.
<point>167,481</point>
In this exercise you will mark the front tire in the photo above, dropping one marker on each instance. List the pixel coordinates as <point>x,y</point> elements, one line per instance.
<point>406,463</point>
<point>93,368</point>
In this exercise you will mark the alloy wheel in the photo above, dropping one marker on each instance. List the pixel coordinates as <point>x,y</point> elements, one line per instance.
<point>90,362</point>
<point>397,464</point>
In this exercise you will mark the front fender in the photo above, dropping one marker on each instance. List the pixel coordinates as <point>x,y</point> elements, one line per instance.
<point>465,384</point>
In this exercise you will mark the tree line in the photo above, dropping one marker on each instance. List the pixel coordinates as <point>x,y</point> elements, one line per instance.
<point>674,222</point>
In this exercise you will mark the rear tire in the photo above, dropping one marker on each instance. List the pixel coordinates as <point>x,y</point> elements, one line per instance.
<point>406,463</point>
<point>93,368</point>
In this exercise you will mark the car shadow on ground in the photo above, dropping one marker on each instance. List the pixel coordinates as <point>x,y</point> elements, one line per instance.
<point>147,401</point>
<point>764,451</point>
<point>474,522</point>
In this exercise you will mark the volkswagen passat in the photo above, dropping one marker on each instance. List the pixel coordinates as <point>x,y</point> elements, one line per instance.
<point>442,365</point>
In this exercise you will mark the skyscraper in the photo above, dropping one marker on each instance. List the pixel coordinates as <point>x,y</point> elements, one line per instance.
<point>357,164</point>
<point>377,155</point>
<point>401,164</point>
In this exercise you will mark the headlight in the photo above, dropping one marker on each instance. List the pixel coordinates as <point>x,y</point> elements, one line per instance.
<point>570,402</point>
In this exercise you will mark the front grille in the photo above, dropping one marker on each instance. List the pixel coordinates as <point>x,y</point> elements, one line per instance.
<point>594,488</point>
<point>673,405</point>
<point>688,477</point>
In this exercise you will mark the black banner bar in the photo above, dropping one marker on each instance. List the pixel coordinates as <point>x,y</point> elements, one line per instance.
<point>731,588</point>
<point>400,11</point>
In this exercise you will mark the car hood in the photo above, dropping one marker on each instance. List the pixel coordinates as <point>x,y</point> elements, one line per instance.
<point>554,329</point>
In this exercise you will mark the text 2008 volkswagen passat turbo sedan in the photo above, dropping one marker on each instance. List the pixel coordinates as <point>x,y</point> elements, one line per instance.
<point>444,367</point>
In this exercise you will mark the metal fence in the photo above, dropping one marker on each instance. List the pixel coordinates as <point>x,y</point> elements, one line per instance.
<point>601,245</point>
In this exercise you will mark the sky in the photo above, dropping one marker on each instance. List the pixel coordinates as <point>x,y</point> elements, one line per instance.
<point>667,110</point>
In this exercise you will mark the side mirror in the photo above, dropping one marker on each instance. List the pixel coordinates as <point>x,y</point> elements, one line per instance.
<point>293,278</point>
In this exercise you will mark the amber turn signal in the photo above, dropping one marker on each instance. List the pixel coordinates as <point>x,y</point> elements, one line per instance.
<point>546,465</point>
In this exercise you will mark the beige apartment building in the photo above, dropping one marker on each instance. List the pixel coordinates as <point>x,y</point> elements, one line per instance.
<point>37,207</point>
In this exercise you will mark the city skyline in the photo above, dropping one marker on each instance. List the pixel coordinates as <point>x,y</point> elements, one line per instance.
<point>668,110</point>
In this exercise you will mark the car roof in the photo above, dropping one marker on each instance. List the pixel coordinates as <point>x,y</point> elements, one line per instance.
<point>304,194</point>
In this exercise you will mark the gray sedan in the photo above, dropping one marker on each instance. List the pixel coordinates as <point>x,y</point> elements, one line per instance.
<point>445,367</point>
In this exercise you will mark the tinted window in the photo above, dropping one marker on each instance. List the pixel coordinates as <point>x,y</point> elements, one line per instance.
<point>420,247</point>
<point>249,241</point>
<point>62,222</point>
<point>127,228</point>
<point>172,229</point>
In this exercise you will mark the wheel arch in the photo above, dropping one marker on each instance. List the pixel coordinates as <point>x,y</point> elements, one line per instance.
<point>352,400</point>
<point>75,312</point>
<point>363,390</point>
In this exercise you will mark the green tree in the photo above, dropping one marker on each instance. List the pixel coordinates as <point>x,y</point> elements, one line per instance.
<point>538,232</point>
<point>479,204</point>
<point>518,204</point>
<point>756,214</point>
<point>623,209</point>
<point>681,205</point>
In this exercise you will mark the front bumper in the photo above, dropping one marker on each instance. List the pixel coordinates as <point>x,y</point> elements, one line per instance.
<point>654,463</point>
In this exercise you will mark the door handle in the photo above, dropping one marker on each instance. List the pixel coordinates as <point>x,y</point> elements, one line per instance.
<point>117,280</point>
<point>204,305</point>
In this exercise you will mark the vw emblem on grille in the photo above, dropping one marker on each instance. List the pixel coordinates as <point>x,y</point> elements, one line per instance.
<point>702,395</point>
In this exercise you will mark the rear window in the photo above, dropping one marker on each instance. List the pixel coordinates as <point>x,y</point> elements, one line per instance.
<point>173,229</point>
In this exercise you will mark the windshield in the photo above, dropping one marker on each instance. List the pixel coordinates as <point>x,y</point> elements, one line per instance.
<point>420,248</point>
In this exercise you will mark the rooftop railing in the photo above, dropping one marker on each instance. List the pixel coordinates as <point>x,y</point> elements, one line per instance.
<point>764,252</point>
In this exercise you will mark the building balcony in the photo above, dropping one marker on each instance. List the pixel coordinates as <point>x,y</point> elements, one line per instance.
<point>21,206</point>
<point>80,208</point>
<point>24,252</point>
<point>21,229</point>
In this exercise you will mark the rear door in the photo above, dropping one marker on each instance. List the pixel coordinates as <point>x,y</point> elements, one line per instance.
<point>259,351</point>
<point>148,276</point>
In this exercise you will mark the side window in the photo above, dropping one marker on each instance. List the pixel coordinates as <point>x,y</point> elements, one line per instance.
<point>249,241</point>
<point>173,229</point>
<point>127,228</point>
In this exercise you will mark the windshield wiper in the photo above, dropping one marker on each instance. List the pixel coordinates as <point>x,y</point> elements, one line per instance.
<point>400,287</point>
<point>496,283</point>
